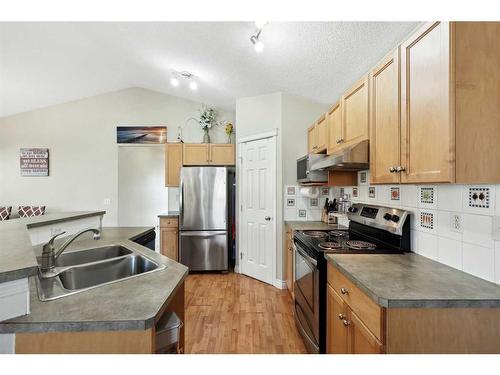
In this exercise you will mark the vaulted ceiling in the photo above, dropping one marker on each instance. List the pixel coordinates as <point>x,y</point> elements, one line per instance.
<point>42,64</point>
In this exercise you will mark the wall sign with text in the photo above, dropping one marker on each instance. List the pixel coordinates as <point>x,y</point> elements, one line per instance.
<point>34,161</point>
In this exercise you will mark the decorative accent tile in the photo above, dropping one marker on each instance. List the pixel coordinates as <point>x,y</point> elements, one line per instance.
<point>479,197</point>
<point>5,213</point>
<point>30,211</point>
<point>354,192</point>
<point>291,190</point>
<point>371,192</point>
<point>290,202</point>
<point>325,191</point>
<point>313,202</point>
<point>363,177</point>
<point>427,220</point>
<point>427,195</point>
<point>394,194</point>
<point>302,213</point>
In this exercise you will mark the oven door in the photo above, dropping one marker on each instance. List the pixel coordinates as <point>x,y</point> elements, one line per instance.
<point>306,289</point>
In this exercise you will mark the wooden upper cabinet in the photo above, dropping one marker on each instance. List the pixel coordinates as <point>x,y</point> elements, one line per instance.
<point>173,163</point>
<point>321,134</point>
<point>311,139</point>
<point>360,339</point>
<point>221,154</point>
<point>334,128</point>
<point>427,125</point>
<point>385,120</point>
<point>196,153</point>
<point>355,113</point>
<point>337,331</point>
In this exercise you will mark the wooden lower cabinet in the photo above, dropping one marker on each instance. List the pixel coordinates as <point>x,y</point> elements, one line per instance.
<point>169,238</point>
<point>100,342</point>
<point>357,325</point>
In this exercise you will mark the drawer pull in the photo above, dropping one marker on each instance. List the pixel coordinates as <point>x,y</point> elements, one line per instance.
<point>346,322</point>
<point>344,290</point>
<point>341,316</point>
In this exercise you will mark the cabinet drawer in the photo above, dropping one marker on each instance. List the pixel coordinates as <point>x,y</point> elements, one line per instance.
<point>368,311</point>
<point>169,222</point>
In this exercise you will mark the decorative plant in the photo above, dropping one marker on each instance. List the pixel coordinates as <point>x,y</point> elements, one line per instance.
<point>207,120</point>
<point>229,131</point>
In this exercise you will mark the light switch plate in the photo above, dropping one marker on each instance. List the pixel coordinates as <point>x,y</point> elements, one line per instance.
<point>107,201</point>
<point>496,228</point>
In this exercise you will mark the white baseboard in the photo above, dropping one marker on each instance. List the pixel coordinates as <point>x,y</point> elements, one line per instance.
<point>280,284</point>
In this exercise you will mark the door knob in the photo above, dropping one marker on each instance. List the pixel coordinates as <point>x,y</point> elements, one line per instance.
<point>268,218</point>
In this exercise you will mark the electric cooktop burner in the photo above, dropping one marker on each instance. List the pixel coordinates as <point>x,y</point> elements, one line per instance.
<point>338,233</point>
<point>330,245</point>
<point>315,233</point>
<point>360,245</point>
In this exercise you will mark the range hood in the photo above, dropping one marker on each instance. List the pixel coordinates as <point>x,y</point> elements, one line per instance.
<point>351,158</point>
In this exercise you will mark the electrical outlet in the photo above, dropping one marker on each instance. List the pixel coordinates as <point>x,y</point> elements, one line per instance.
<point>456,223</point>
<point>496,228</point>
<point>107,201</point>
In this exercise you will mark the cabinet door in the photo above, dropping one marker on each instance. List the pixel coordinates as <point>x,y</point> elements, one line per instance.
<point>169,240</point>
<point>336,320</point>
<point>173,163</point>
<point>321,134</point>
<point>221,154</point>
<point>355,113</point>
<point>385,124</point>
<point>196,154</point>
<point>289,260</point>
<point>311,139</point>
<point>334,127</point>
<point>427,127</point>
<point>361,340</point>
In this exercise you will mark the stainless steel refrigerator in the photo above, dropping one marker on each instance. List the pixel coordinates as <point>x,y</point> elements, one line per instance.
<point>206,219</point>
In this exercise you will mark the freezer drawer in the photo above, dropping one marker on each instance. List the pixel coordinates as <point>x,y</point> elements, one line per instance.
<point>204,250</point>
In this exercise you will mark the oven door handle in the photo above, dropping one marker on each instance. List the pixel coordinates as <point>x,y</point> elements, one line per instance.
<point>304,255</point>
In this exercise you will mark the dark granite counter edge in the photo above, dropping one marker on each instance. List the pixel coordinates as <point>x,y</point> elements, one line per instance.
<point>412,303</point>
<point>77,216</point>
<point>81,326</point>
<point>18,274</point>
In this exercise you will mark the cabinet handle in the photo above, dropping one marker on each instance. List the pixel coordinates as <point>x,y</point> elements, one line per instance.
<point>341,140</point>
<point>392,169</point>
<point>342,316</point>
<point>346,322</point>
<point>344,291</point>
<point>400,169</point>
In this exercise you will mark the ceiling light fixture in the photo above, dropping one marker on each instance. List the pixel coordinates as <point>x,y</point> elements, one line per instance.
<point>255,39</point>
<point>189,77</point>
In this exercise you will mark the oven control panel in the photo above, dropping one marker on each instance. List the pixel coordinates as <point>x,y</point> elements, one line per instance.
<point>387,218</point>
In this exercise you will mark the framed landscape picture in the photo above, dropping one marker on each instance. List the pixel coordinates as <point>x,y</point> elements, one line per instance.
<point>141,134</point>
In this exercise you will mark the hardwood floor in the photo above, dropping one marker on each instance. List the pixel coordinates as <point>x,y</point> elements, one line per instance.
<point>232,313</point>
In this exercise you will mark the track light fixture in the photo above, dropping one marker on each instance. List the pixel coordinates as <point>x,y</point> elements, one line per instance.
<point>190,78</point>
<point>255,39</point>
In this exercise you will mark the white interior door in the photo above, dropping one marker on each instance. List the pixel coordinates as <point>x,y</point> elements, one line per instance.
<point>258,208</point>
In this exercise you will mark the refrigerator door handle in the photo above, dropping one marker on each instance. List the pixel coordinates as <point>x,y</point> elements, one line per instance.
<point>211,233</point>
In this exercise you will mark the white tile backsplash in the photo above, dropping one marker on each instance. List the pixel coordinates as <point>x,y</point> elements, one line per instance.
<point>477,229</point>
<point>479,261</point>
<point>473,249</point>
<point>450,252</point>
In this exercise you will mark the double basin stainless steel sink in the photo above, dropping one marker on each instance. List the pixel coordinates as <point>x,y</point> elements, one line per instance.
<point>81,270</point>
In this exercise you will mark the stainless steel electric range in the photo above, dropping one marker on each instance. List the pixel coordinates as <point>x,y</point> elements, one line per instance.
<point>372,230</point>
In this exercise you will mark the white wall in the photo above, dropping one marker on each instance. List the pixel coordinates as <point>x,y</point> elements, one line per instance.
<point>291,116</point>
<point>81,137</point>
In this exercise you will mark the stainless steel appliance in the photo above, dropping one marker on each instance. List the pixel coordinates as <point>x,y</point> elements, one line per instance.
<point>351,158</point>
<point>304,173</point>
<point>372,229</point>
<point>205,218</point>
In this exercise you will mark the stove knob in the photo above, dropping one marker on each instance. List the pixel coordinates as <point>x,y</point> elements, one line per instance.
<point>395,218</point>
<point>352,209</point>
<point>387,216</point>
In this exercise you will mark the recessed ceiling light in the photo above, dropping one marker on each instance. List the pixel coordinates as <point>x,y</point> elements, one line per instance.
<point>175,82</point>
<point>193,85</point>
